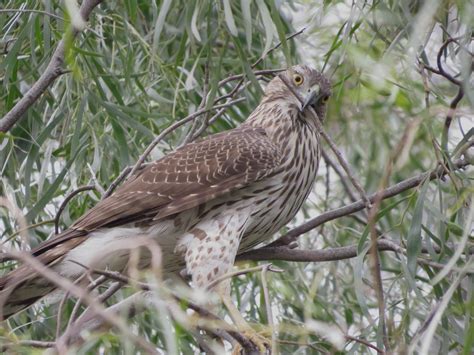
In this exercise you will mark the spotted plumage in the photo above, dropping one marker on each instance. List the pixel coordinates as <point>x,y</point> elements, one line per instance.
<point>203,203</point>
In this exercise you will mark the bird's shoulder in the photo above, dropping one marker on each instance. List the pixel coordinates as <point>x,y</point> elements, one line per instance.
<point>225,153</point>
<point>187,177</point>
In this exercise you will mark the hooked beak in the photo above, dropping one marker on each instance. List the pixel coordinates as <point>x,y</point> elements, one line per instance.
<point>312,97</point>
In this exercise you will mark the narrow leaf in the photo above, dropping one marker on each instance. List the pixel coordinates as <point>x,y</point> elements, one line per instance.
<point>160,22</point>
<point>414,234</point>
<point>267,24</point>
<point>245,4</point>
<point>229,18</point>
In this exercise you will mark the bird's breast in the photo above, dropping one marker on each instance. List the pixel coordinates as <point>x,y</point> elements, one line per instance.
<point>278,199</point>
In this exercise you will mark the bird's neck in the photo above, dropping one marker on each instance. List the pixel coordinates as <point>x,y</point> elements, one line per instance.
<point>280,119</point>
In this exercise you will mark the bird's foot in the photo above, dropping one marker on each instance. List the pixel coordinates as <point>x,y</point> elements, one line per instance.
<point>258,339</point>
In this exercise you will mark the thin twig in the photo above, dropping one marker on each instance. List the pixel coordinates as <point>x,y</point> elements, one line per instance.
<point>30,343</point>
<point>449,118</point>
<point>366,343</point>
<point>269,267</point>
<point>440,65</point>
<point>117,181</point>
<point>73,316</point>
<point>454,103</point>
<point>338,171</point>
<point>256,73</point>
<point>66,201</point>
<point>32,11</point>
<point>205,94</point>
<point>268,307</point>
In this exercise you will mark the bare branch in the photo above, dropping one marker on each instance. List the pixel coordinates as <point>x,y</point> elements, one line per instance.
<point>360,204</point>
<point>66,201</point>
<point>330,254</point>
<point>300,255</point>
<point>366,343</point>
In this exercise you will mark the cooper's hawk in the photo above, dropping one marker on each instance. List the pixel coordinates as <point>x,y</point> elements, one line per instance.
<point>204,203</point>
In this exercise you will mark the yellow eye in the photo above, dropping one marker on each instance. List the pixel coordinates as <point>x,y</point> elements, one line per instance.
<point>298,79</point>
<point>325,99</point>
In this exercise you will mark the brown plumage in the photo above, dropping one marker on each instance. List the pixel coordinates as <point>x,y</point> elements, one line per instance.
<point>203,203</point>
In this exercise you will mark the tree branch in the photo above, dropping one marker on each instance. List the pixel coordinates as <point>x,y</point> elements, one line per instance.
<point>331,254</point>
<point>360,204</point>
<point>52,72</point>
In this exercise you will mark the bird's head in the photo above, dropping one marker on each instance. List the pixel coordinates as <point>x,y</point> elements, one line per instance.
<point>303,87</point>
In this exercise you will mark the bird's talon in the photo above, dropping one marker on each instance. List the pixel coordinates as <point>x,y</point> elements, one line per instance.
<point>258,339</point>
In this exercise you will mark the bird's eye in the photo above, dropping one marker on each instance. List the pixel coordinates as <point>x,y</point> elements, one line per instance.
<point>325,99</point>
<point>298,79</point>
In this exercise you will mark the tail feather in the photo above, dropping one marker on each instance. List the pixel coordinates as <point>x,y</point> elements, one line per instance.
<point>20,289</point>
<point>23,286</point>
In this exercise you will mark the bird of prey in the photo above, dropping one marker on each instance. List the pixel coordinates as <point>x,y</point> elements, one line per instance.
<point>202,204</point>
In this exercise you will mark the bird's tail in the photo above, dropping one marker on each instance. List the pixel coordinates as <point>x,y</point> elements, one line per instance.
<point>21,288</point>
<point>24,286</point>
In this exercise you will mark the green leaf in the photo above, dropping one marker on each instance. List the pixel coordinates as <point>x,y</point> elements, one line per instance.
<point>49,194</point>
<point>229,18</point>
<point>160,23</point>
<point>247,17</point>
<point>281,33</point>
<point>414,234</point>
<point>247,68</point>
<point>267,24</point>
<point>359,288</point>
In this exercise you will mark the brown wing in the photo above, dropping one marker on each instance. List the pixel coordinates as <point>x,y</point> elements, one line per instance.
<point>188,177</point>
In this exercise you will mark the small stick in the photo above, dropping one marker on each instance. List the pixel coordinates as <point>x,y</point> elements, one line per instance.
<point>66,201</point>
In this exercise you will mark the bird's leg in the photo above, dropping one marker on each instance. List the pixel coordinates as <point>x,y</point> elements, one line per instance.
<point>262,343</point>
<point>209,250</point>
<point>223,289</point>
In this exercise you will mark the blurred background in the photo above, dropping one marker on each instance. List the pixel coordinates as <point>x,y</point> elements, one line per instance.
<point>141,66</point>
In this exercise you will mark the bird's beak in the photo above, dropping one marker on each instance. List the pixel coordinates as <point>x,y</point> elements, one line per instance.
<point>312,97</point>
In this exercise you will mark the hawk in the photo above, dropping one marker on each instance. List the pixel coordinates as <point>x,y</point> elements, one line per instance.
<point>203,204</point>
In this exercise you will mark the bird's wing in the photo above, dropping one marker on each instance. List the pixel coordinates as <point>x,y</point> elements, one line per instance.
<point>185,178</point>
